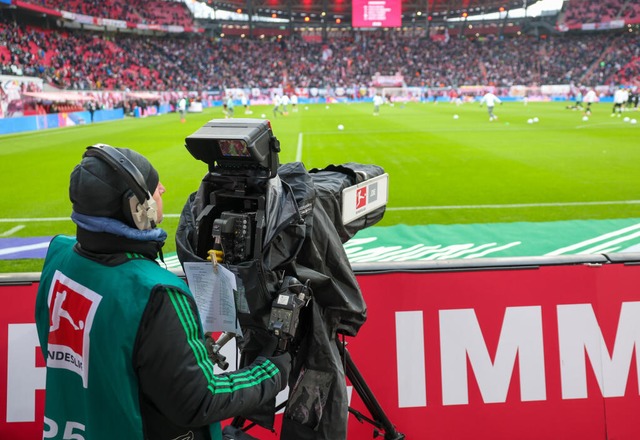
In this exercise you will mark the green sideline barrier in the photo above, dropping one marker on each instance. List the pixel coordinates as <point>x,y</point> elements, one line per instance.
<point>403,243</point>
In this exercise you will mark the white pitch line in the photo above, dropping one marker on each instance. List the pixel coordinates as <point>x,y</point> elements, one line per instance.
<point>27,220</point>
<point>452,128</point>
<point>512,206</point>
<point>29,247</point>
<point>397,208</point>
<point>12,231</point>
<point>597,124</point>
<point>56,219</point>
<point>299,148</point>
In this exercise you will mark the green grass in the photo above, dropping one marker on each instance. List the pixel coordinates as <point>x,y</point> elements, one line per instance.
<point>433,160</point>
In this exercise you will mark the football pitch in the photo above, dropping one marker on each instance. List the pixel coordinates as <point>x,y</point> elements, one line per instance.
<point>447,164</point>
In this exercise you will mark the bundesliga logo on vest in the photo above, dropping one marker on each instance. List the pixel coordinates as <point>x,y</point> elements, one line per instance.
<point>72,309</point>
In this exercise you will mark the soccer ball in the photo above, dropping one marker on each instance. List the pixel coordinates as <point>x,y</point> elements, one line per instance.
<point>263,115</point>
<point>535,119</point>
<point>626,119</point>
<point>585,118</point>
<point>529,121</point>
<point>340,127</point>
<point>306,107</point>
<point>455,116</point>
<point>633,121</point>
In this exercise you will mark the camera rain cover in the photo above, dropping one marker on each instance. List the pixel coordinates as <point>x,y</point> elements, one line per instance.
<point>302,236</point>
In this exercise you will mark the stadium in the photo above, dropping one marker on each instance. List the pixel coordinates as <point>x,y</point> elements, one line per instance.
<point>521,210</point>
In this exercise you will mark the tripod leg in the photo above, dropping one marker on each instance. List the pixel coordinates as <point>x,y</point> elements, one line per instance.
<point>238,422</point>
<point>379,417</point>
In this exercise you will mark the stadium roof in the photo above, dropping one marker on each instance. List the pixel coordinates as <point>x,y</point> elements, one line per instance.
<point>342,8</point>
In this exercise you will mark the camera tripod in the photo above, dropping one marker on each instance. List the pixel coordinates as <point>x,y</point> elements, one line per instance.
<point>380,421</point>
<point>382,426</point>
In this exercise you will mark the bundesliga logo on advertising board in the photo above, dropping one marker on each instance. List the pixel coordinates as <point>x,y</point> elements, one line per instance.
<point>72,308</point>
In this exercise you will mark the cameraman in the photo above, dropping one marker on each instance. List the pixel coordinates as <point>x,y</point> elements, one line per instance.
<point>121,335</point>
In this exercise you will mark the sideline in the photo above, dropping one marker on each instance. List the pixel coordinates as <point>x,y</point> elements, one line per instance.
<point>56,219</point>
<point>515,205</point>
<point>397,208</point>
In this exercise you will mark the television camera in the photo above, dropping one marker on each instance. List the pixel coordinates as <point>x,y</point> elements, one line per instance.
<point>273,226</point>
<point>242,156</point>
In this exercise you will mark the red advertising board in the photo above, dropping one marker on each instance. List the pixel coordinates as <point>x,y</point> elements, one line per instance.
<point>376,13</point>
<point>22,372</point>
<point>548,352</point>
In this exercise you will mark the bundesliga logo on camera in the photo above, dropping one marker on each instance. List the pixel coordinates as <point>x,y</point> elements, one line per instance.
<point>361,197</point>
<point>366,194</point>
<point>72,308</point>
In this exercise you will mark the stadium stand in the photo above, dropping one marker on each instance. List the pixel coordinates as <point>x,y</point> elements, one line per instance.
<point>90,60</point>
<point>133,11</point>
<point>631,11</point>
<point>81,61</point>
<point>592,11</point>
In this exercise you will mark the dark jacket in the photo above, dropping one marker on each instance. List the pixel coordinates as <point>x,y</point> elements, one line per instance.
<point>177,391</point>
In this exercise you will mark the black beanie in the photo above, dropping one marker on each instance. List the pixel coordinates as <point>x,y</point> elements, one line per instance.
<point>98,190</point>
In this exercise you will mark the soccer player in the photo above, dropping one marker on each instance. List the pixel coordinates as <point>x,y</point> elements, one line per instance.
<point>632,101</point>
<point>589,99</point>
<point>378,100</point>
<point>285,104</point>
<point>491,100</point>
<point>246,104</point>
<point>229,107</point>
<point>620,97</point>
<point>276,105</point>
<point>577,105</point>
<point>182,109</point>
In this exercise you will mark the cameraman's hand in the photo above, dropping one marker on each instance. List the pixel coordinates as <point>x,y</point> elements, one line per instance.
<point>269,345</point>
<point>283,362</point>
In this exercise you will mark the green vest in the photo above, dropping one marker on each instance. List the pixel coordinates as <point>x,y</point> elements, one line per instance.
<point>87,315</point>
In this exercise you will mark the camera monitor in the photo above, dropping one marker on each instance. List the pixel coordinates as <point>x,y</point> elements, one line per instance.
<point>236,146</point>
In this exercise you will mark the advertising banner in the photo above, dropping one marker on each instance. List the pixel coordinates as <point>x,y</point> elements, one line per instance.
<point>527,354</point>
<point>530,352</point>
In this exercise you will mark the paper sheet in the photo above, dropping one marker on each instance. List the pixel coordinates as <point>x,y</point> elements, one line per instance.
<point>213,291</point>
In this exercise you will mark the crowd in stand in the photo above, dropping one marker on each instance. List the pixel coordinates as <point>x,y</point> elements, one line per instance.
<point>176,13</point>
<point>598,11</point>
<point>97,61</point>
<point>631,11</point>
<point>133,11</point>
<point>591,11</point>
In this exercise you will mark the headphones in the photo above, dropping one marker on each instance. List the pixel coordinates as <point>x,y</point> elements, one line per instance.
<point>137,201</point>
